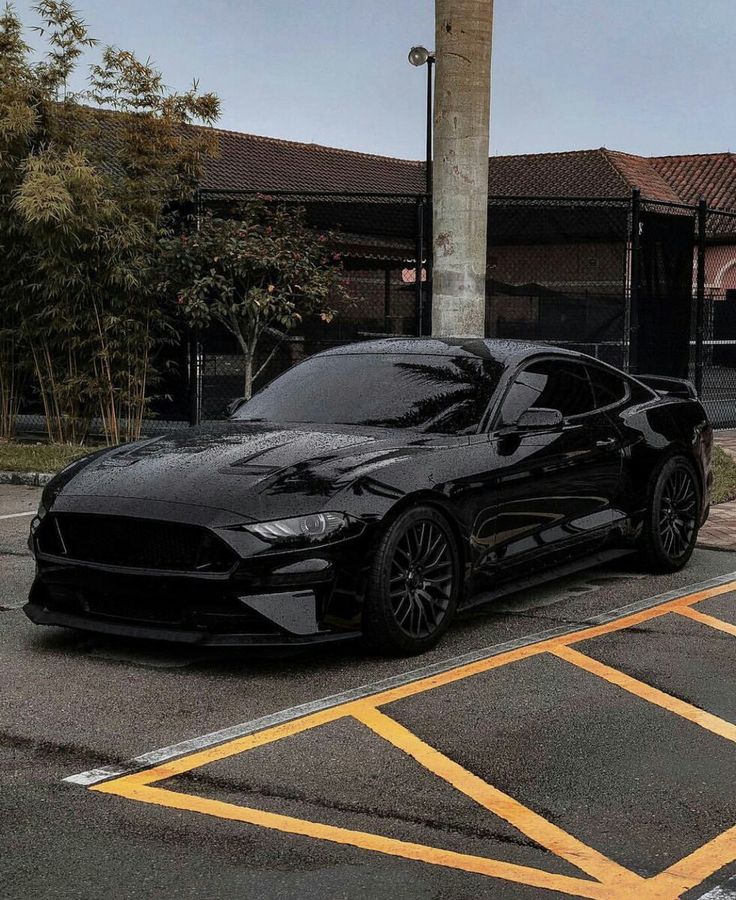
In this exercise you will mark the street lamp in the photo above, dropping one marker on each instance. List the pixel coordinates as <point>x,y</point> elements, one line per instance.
<point>420,56</point>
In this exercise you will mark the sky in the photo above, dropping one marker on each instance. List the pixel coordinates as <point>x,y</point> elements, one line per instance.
<point>652,77</point>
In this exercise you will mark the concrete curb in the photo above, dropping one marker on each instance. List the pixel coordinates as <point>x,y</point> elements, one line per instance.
<point>32,479</point>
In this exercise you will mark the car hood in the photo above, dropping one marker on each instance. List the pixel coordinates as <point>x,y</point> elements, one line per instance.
<point>240,466</point>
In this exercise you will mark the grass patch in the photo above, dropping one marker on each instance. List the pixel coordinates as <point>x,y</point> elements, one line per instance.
<point>38,457</point>
<point>724,476</point>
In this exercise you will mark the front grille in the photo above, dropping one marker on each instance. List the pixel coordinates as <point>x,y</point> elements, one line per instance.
<point>135,543</point>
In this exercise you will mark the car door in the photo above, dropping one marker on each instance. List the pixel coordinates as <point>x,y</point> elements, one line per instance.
<point>612,393</point>
<point>554,485</point>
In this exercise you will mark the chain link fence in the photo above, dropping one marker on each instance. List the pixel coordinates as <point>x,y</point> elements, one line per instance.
<point>644,285</point>
<point>557,273</point>
<point>714,330</point>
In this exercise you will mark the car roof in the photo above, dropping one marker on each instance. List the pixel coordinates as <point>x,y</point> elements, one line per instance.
<point>500,350</point>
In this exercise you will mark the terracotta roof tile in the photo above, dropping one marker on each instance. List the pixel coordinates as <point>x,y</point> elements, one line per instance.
<point>709,175</point>
<point>251,162</point>
<point>577,173</point>
<point>638,171</point>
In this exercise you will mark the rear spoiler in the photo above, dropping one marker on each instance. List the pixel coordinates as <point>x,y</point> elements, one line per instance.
<point>669,387</point>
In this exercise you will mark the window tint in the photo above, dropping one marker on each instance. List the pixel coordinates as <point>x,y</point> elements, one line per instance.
<point>608,388</point>
<point>438,394</point>
<point>552,385</point>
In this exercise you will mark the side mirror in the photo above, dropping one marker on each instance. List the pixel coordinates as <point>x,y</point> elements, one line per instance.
<point>232,406</point>
<point>540,418</point>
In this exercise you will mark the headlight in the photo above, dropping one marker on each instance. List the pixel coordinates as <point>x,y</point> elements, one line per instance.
<point>306,529</point>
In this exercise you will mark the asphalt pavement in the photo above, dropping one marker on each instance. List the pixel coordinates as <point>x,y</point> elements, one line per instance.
<point>557,748</point>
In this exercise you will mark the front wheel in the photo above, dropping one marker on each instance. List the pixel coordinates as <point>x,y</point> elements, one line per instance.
<point>413,584</point>
<point>672,518</point>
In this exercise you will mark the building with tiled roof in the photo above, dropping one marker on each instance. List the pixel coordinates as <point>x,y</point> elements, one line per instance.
<point>575,250</point>
<point>250,162</point>
<point>559,255</point>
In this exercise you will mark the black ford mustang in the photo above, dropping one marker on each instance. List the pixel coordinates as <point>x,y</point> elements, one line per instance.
<point>375,488</point>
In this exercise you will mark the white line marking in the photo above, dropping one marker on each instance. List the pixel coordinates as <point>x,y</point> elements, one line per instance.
<point>726,891</point>
<point>154,757</point>
<point>18,515</point>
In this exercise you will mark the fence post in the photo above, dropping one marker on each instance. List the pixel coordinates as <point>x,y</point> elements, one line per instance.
<point>386,300</point>
<point>427,285</point>
<point>700,294</point>
<point>195,378</point>
<point>631,310</point>
<point>418,268</point>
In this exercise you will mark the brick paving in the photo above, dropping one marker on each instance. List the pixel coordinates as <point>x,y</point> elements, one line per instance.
<point>720,529</point>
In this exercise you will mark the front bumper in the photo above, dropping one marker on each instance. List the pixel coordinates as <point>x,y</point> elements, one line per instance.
<point>284,599</point>
<point>42,615</point>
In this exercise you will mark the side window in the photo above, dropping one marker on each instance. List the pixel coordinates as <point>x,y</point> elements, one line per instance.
<point>608,388</point>
<point>549,384</point>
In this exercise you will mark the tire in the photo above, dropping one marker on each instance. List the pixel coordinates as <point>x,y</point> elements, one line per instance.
<point>413,584</point>
<point>672,518</point>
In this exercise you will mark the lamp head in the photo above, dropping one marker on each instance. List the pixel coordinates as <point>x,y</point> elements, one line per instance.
<point>418,56</point>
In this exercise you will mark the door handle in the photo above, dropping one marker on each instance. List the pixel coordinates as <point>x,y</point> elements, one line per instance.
<point>606,442</point>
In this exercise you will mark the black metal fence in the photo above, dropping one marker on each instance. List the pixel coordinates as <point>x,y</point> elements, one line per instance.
<point>644,285</point>
<point>557,272</point>
<point>714,360</point>
<point>683,299</point>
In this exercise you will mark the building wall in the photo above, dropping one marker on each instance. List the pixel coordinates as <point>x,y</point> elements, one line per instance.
<point>720,267</point>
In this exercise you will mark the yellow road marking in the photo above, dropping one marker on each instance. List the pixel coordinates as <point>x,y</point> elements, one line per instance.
<point>614,881</point>
<point>367,841</point>
<point>704,619</point>
<point>693,869</point>
<point>647,692</point>
<point>645,614</point>
<point>240,745</point>
<point>521,817</point>
<point>486,665</point>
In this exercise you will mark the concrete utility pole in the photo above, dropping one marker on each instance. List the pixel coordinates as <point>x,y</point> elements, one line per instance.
<point>463,30</point>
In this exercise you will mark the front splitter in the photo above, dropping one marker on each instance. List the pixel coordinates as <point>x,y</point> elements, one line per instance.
<point>40,615</point>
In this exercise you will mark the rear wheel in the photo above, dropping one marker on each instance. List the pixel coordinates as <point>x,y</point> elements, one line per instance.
<point>672,518</point>
<point>413,584</point>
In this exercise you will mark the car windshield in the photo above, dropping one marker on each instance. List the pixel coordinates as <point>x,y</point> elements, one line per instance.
<point>436,394</point>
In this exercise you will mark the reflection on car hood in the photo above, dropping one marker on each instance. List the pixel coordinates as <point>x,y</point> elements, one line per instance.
<point>220,466</point>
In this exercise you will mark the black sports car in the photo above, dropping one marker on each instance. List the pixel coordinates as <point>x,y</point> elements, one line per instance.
<point>375,488</point>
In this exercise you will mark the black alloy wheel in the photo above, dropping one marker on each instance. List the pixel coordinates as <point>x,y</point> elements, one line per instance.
<point>677,513</point>
<point>420,586</point>
<point>672,519</point>
<point>413,585</point>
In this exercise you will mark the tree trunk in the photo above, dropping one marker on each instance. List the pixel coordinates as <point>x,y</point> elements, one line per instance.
<point>248,378</point>
<point>463,31</point>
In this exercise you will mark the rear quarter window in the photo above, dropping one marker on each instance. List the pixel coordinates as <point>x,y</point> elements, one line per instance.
<point>551,383</point>
<point>608,387</point>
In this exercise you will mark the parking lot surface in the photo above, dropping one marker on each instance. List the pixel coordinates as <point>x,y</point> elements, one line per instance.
<point>574,740</point>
